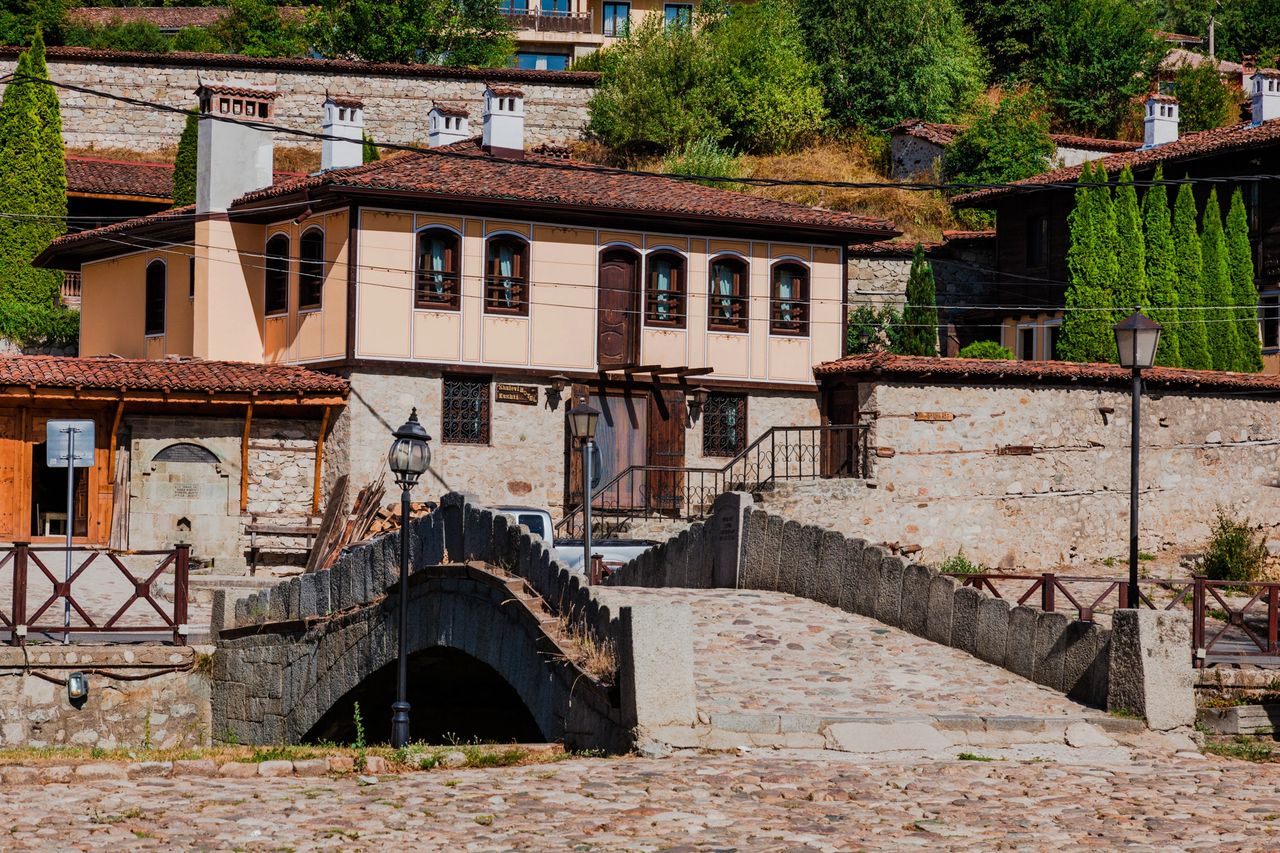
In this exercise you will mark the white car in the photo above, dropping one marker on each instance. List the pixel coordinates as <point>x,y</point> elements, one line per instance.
<point>616,552</point>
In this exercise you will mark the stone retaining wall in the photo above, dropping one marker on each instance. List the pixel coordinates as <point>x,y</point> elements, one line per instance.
<point>396,97</point>
<point>139,696</point>
<point>783,555</point>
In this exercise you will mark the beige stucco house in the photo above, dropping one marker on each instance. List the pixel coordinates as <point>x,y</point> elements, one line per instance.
<point>484,284</point>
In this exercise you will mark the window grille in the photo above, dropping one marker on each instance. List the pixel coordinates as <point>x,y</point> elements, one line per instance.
<point>437,283</point>
<point>728,295</point>
<point>724,425</point>
<point>664,297</point>
<point>507,280</point>
<point>466,411</point>
<point>789,314</point>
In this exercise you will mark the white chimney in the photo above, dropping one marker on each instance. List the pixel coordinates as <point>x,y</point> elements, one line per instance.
<point>1266,95</point>
<point>1160,124</point>
<point>343,117</point>
<point>504,121</point>
<point>232,157</point>
<point>448,123</point>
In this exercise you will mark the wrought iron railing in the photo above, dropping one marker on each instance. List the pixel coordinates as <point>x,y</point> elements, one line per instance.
<point>105,597</point>
<point>687,493</point>
<point>1223,630</point>
<point>549,20</point>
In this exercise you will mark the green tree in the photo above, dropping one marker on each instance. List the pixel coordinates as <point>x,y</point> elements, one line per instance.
<point>881,61</point>
<point>184,163</point>
<point>1131,255</point>
<point>257,28</point>
<point>739,81</point>
<point>196,40</point>
<point>369,152</point>
<point>33,181</point>
<point>21,20</point>
<point>1244,291</point>
<point>872,329</point>
<point>1007,143</point>
<point>1248,26</point>
<point>1086,325</point>
<point>1193,340</point>
<point>1205,101</point>
<point>1162,270</point>
<point>919,334</point>
<point>1010,31</point>
<point>444,32</point>
<point>1106,239</point>
<point>140,36</point>
<point>1220,318</point>
<point>1097,56</point>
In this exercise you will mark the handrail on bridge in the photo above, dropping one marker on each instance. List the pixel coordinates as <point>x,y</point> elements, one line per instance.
<point>687,492</point>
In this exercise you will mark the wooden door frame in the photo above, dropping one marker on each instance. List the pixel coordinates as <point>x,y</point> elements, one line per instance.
<point>100,489</point>
<point>632,354</point>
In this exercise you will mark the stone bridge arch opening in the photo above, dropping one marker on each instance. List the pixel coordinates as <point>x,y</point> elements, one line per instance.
<point>453,698</point>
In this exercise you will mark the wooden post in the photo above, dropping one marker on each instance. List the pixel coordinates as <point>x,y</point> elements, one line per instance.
<point>244,459</point>
<point>111,445</point>
<point>315,485</point>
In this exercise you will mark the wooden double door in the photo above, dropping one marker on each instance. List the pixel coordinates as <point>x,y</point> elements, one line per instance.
<point>33,498</point>
<point>639,430</point>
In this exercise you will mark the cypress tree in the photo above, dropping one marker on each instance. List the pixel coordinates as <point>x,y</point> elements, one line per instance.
<point>1162,273</point>
<point>1245,293</point>
<point>184,163</point>
<point>1107,242</point>
<point>33,182</point>
<point>1131,255</point>
<point>369,152</point>
<point>1220,320</point>
<point>1086,325</point>
<point>919,335</point>
<point>1193,342</point>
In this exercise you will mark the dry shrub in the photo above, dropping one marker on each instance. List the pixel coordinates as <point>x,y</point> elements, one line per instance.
<point>162,155</point>
<point>920,214</point>
<point>597,658</point>
<point>297,159</point>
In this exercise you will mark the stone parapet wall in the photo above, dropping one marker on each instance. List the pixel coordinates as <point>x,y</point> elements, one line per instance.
<point>139,696</point>
<point>396,99</point>
<point>1037,477</point>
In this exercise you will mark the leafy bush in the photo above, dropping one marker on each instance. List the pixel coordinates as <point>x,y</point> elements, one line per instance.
<point>987,349</point>
<point>704,157</point>
<point>1204,100</point>
<point>1235,553</point>
<point>39,325</point>
<point>141,36</point>
<point>443,32</point>
<point>1007,143</point>
<point>256,28</point>
<point>872,328</point>
<point>959,564</point>
<point>196,40</point>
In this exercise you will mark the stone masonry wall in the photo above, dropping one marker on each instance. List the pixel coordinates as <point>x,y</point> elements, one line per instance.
<point>396,98</point>
<point>1038,477</point>
<point>169,710</point>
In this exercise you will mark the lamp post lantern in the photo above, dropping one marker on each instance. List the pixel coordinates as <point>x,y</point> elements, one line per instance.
<point>582,426</point>
<point>409,458</point>
<point>1137,338</point>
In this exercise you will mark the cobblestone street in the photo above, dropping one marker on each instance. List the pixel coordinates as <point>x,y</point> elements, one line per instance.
<point>741,803</point>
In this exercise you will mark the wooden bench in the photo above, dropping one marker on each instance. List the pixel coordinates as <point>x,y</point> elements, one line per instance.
<point>254,529</point>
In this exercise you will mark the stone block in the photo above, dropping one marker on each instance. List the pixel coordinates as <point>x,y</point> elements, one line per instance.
<point>218,615</point>
<point>524,545</point>
<point>274,769</point>
<point>915,598</point>
<point>1150,670</point>
<point>872,737</point>
<point>1051,630</point>
<point>849,577</point>
<point>500,552</point>
<point>1020,646</point>
<point>322,591</point>
<point>889,590</point>
<point>725,546</point>
<point>432,538</point>
<point>340,585</point>
<point>311,767</point>
<point>307,596</point>
<point>242,611</point>
<point>694,557</point>
<point>278,602</point>
<point>805,563</point>
<point>964,619</point>
<point>790,554</point>
<point>867,587</point>
<point>831,565</point>
<point>472,534</point>
<point>195,767</point>
<point>755,544</point>
<point>655,673</point>
<point>993,630</point>
<point>1086,664</point>
<point>101,771</point>
<point>294,604</point>
<point>453,513</point>
<point>771,568</point>
<point>673,561</point>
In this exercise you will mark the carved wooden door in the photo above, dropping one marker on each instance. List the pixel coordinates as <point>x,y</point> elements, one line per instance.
<point>616,319</point>
<point>666,448</point>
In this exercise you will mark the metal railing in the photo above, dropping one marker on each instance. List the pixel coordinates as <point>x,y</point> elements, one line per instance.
<point>687,493</point>
<point>108,609</point>
<point>1221,632</point>
<point>548,20</point>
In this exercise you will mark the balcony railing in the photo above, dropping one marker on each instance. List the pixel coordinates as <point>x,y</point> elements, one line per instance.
<point>548,20</point>
<point>69,293</point>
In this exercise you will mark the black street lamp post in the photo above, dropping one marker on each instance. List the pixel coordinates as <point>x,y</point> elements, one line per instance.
<point>582,426</point>
<point>1137,337</point>
<point>409,458</point>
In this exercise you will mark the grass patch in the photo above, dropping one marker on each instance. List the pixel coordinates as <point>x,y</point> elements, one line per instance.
<point>1242,748</point>
<point>423,757</point>
<point>973,756</point>
<point>1124,714</point>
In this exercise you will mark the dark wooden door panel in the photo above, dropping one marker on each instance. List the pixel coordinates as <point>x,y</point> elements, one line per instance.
<point>616,321</point>
<point>666,448</point>
<point>840,447</point>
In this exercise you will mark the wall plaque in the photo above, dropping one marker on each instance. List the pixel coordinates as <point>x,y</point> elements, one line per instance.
<point>524,395</point>
<point>935,416</point>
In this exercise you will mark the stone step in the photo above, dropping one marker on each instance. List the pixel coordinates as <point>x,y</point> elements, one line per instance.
<point>1240,719</point>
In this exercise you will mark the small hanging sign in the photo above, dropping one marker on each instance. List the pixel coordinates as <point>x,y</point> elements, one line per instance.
<point>935,416</point>
<point>523,395</point>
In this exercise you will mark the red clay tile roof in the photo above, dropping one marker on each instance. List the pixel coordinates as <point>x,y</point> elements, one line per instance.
<point>943,134</point>
<point>905,248</point>
<point>173,215</point>
<point>344,101</point>
<point>1237,137</point>
<point>169,374</point>
<point>992,371</point>
<point>205,61</point>
<point>449,109</point>
<point>238,90</point>
<point>101,176</point>
<point>505,91</point>
<point>464,170</point>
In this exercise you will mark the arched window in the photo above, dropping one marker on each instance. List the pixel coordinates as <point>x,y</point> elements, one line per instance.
<point>506,281</point>
<point>310,269</point>
<point>154,311</point>
<point>437,282</point>
<point>186,452</point>
<point>789,314</point>
<point>728,312</point>
<point>664,292</point>
<point>275,299</point>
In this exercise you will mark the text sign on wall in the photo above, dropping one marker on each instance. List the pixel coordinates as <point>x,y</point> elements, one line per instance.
<point>935,416</point>
<point>524,395</point>
<point>58,441</point>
